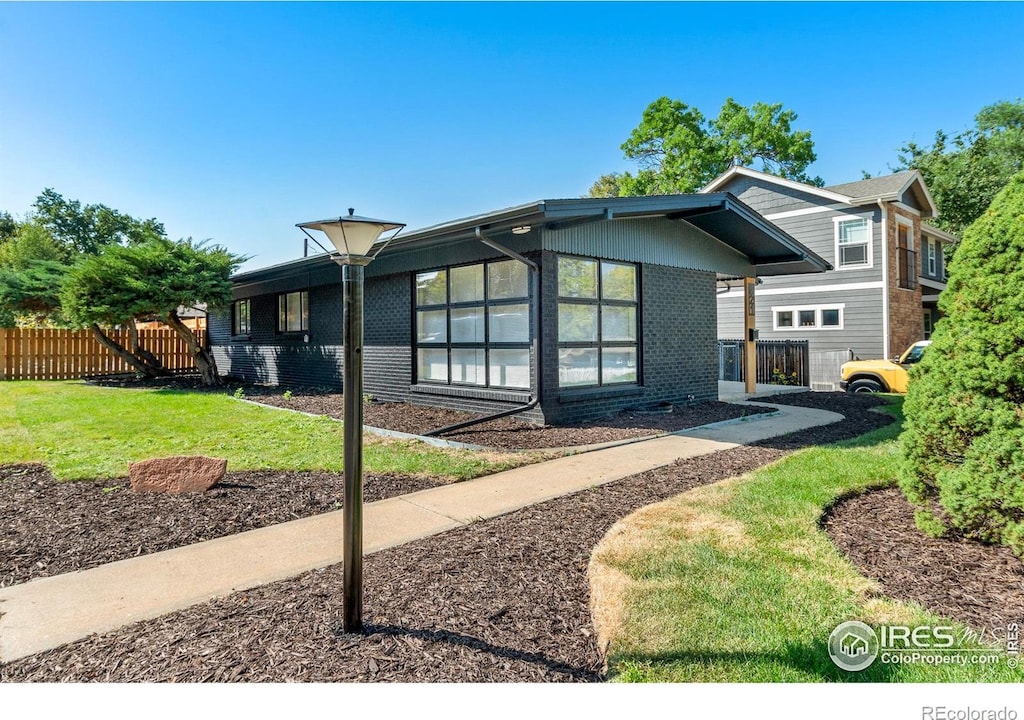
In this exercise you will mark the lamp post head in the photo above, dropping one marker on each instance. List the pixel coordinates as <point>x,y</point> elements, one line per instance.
<point>356,238</point>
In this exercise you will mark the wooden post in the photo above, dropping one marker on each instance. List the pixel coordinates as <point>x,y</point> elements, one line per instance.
<point>750,335</point>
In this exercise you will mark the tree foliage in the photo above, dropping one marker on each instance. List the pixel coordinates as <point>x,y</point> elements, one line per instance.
<point>965,171</point>
<point>679,150</point>
<point>150,279</point>
<point>32,289</point>
<point>964,436</point>
<point>35,253</point>
<point>87,229</point>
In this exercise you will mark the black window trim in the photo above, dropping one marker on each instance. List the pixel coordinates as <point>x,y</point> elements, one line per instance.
<point>235,325</point>
<point>303,316</point>
<point>600,344</point>
<point>486,303</point>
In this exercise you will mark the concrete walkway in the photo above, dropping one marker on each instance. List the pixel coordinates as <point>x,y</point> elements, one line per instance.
<point>50,612</point>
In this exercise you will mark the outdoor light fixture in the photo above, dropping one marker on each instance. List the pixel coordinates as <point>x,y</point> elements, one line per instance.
<point>353,236</point>
<point>357,241</point>
<point>521,229</point>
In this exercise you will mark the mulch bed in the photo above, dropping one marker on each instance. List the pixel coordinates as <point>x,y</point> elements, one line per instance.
<point>501,600</point>
<point>49,527</point>
<point>503,433</point>
<point>980,585</point>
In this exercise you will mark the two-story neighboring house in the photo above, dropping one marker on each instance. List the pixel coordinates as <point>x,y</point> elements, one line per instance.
<point>887,264</point>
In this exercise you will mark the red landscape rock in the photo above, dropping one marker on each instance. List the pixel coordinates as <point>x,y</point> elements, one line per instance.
<point>179,474</point>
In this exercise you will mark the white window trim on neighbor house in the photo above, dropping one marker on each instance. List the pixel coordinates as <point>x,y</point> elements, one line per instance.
<point>818,310</point>
<point>870,255</point>
<point>932,257</point>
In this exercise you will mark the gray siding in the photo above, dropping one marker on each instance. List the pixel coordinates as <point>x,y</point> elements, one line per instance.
<point>818,232</point>
<point>671,243</point>
<point>767,198</point>
<point>940,259</point>
<point>862,320</point>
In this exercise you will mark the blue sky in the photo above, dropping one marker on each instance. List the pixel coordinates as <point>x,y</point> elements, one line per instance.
<point>235,121</point>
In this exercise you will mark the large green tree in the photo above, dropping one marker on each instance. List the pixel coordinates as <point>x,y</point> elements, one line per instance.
<point>149,279</point>
<point>966,170</point>
<point>679,150</point>
<point>36,252</point>
<point>964,432</point>
<point>87,229</point>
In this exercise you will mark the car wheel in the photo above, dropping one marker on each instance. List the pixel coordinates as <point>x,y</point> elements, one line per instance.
<point>865,386</point>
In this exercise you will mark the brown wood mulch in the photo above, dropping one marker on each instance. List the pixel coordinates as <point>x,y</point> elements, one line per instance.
<point>980,585</point>
<point>49,527</point>
<point>504,433</point>
<point>501,600</point>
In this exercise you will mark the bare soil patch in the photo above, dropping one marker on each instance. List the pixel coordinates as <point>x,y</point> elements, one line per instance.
<point>502,600</point>
<point>980,585</point>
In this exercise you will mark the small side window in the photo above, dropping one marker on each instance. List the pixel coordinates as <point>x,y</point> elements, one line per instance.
<point>240,324</point>
<point>293,312</point>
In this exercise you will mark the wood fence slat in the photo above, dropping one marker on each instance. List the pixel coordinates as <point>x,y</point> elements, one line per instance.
<point>55,354</point>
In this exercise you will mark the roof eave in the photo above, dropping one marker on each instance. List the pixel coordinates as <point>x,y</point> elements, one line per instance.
<point>768,177</point>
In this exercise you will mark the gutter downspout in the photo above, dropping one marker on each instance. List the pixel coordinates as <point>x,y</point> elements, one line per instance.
<point>534,321</point>
<point>885,278</point>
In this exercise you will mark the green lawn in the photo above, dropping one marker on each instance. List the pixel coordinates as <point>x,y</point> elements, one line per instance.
<point>735,582</point>
<point>82,431</point>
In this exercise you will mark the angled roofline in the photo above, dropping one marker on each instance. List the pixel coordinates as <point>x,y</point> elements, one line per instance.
<point>775,179</point>
<point>557,214</point>
<point>822,192</point>
<point>940,234</point>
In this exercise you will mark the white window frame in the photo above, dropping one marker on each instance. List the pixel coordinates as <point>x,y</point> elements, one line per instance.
<point>818,309</point>
<point>932,258</point>
<point>870,254</point>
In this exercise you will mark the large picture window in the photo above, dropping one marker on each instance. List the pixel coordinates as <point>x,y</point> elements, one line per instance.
<point>293,312</point>
<point>473,325</point>
<point>598,318</point>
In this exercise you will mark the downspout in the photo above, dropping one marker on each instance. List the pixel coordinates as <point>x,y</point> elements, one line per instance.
<point>534,321</point>
<point>885,278</point>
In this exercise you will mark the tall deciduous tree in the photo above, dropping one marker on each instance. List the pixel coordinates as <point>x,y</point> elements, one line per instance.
<point>150,279</point>
<point>965,171</point>
<point>679,150</point>
<point>89,228</point>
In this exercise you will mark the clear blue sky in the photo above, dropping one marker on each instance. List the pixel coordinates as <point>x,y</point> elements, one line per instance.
<point>235,121</point>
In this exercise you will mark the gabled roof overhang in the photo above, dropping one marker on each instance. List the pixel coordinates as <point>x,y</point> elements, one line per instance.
<point>914,183</point>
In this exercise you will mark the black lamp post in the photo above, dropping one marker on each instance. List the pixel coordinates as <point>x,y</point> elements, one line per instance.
<point>357,241</point>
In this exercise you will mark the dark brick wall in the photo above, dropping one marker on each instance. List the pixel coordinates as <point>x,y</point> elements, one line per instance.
<point>677,347</point>
<point>267,356</point>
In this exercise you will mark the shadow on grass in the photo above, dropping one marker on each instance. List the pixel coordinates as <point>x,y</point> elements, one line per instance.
<point>810,659</point>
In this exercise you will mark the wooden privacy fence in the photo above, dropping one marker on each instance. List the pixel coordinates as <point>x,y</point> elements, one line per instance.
<point>779,362</point>
<point>32,354</point>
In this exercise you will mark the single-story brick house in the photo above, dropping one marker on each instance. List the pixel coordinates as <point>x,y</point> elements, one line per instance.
<point>575,308</point>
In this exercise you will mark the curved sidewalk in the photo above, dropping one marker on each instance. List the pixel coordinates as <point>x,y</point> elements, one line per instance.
<point>50,612</point>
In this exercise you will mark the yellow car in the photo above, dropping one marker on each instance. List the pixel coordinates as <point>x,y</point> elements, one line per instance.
<point>881,375</point>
